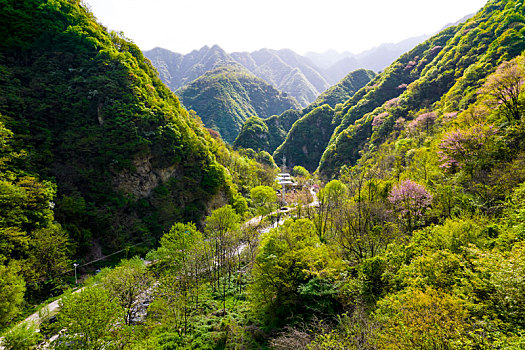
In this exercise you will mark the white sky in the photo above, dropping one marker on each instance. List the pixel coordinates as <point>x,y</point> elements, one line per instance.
<point>301,25</point>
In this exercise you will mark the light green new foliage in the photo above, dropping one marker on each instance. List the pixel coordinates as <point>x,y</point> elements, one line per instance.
<point>50,250</point>
<point>300,171</point>
<point>126,283</point>
<point>264,198</point>
<point>21,337</point>
<point>221,221</point>
<point>89,317</point>
<point>175,245</point>
<point>12,288</point>
<point>289,257</point>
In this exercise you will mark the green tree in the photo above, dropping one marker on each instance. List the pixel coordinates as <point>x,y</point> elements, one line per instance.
<point>50,251</point>
<point>264,198</point>
<point>300,171</point>
<point>89,319</point>
<point>177,245</point>
<point>222,230</point>
<point>12,288</point>
<point>421,319</point>
<point>292,263</point>
<point>331,198</point>
<point>21,337</point>
<point>126,283</point>
<point>362,224</point>
<point>181,254</point>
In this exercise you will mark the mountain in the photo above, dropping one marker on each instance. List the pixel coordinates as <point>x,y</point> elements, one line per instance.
<point>442,74</point>
<point>336,65</point>
<point>266,134</point>
<point>345,88</point>
<point>177,70</point>
<point>304,143</point>
<point>92,139</point>
<point>328,58</point>
<point>284,69</point>
<point>288,71</point>
<point>226,96</point>
<point>307,139</point>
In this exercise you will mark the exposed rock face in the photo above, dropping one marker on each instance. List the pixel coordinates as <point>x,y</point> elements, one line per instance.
<point>144,179</point>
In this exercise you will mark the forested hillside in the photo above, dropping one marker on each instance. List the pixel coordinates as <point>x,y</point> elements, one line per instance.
<point>96,153</point>
<point>225,97</point>
<point>307,139</point>
<point>418,241</point>
<point>268,134</point>
<point>305,143</point>
<point>448,68</point>
<point>344,89</point>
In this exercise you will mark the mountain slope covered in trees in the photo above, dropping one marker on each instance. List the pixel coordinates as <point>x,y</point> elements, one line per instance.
<point>307,139</point>
<point>95,151</point>
<point>225,97</point>
<point>284,69</point>
<point>418,243</point>
<point>449,68</point>
<point>312,134</point>
<point>266,134</point>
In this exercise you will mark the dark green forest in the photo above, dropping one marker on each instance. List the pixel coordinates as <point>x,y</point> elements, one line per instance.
<point>226,97</point>
<point>270,134</point>
<point>406,230</point>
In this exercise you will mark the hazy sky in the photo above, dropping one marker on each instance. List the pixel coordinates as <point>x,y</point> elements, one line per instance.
<point>301,25</point>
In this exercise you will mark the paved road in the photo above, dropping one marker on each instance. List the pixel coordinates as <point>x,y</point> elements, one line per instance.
<point>53,306</point>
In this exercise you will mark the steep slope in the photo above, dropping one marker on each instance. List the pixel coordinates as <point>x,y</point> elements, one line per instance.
<point>346,88</point>
<point>336,65</point>
<point>266,134</point>
<point>307,139</point>
<point>449,67</point>
<point>225,97</point>
<point>284,69</point>
<point>177,70</point>
<point>290,73</point>
<point>254,134</point>
<point>93,120</point>
<point>270,133</point>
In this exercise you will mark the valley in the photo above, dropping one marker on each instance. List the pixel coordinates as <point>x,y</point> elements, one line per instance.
<point>158,178</point>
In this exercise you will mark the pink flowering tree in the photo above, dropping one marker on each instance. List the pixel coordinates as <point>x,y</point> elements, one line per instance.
<point>379,119</point>
<point>465,148</point>
<point>423,122</point>
<point>504,88</point>
<point>409,200</point>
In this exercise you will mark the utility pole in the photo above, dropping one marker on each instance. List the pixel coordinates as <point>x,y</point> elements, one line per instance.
<point>76,281</point>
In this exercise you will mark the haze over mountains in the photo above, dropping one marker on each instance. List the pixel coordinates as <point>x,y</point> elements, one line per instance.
<point>222,87</point>
<point>417,239</point>
<point>302,76</point>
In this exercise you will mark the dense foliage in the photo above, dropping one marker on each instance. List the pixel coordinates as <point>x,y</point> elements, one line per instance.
<point>419,243</point>
<point>307,139</point>
<point>95,152</point>
<point>344,89</point>
<point>443,73</point>
<point>225,97</point>
<point>266,134</point>
<point>302,144</point>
